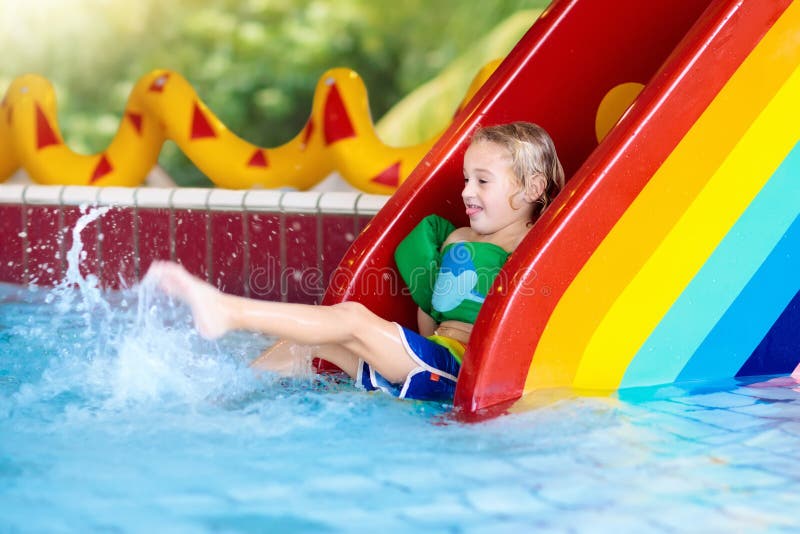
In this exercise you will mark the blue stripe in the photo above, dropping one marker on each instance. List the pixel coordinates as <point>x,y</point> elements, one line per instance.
<point>752,314</point>
<point>779,351</point>
<point>714,289</point>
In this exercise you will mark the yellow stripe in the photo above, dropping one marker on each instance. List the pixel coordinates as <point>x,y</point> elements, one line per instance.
<point>662,202</point>
<point>456,348</point>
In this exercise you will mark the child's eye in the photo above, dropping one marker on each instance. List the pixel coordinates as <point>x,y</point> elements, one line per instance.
<point>481,181</point>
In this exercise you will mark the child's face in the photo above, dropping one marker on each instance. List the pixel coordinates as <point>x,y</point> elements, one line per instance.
<point>491,194</point>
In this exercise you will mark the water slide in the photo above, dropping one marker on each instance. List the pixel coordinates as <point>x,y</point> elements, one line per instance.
<point>673,253</point>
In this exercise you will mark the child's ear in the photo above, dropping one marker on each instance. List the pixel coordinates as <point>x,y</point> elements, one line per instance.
<point>535,187</point>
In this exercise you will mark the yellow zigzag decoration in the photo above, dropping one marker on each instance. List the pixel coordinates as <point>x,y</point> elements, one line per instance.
<point>339,136</point>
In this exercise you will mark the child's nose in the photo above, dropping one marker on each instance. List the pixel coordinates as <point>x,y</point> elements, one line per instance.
<point>467,191</point>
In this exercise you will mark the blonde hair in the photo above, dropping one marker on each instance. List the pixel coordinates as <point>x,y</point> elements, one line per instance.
<point>532,153</point>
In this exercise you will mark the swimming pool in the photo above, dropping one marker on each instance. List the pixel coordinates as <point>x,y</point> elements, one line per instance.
<point>114,415</point>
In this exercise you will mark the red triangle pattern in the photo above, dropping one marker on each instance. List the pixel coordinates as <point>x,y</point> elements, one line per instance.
<point>201,128</point>
<point>337,123</point>
<point>307,133</point>
<point>45,136</point>
<point>136,120</point>
<point>258,159</point>
<point>103,167</point>
<point>159,83</point>
<point>389,176</point>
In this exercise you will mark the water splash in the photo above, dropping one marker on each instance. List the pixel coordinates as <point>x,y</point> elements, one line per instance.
<point>135,346</point>
<point>161,358</point>
<point>63,295</point>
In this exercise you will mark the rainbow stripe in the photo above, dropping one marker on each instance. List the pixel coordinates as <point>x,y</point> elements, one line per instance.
<point>704,261</point>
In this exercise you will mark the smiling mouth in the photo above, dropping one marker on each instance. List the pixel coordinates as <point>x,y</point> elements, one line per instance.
<point>473,209</point>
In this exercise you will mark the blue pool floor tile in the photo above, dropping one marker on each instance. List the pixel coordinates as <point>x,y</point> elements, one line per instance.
<point>717,400</point>
<point>767,393</point>
<point>505,500</point>
<point>726,419</point>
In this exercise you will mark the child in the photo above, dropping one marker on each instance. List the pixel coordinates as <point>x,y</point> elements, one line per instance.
<point>511,173</point>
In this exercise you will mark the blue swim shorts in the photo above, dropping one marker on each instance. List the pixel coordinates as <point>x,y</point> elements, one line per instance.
<point>433,379</point>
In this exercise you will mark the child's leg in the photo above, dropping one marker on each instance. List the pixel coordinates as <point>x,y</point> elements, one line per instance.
<point>283,358</point>
<point>349,324</point>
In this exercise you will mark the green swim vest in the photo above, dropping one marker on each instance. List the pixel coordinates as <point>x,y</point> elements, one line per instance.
<point>452,283</point>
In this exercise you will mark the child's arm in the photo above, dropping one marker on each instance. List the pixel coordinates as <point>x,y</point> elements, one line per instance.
<point>425,323</point>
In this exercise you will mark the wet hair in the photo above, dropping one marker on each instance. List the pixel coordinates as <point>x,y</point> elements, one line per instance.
<point>532,153</point>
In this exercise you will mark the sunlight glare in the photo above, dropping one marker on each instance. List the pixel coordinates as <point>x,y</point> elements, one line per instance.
<point>37,34</point>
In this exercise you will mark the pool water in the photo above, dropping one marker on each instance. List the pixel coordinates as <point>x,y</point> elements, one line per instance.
<point>116,416</point>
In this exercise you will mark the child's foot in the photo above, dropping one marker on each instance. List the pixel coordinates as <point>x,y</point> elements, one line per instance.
<point>209,310</point>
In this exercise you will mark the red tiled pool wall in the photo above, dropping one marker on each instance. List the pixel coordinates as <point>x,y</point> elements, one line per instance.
<point>263,261</point>
<point>153,235</point>
<point>272,256</point>
<point>300,273</point>
<point>118,248</point>
<point>44,260</point>
<point>190,233</point>
<point>12,249</point>
<point>227,252</point>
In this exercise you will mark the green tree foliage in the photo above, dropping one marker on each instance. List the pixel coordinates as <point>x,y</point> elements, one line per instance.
<point>254,62</point>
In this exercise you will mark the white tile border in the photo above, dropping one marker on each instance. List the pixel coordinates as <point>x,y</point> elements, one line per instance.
<point>75,195</point>
<point>117,196</point>
<point>226,200</point>
<point>263,200</point>
<point>339,202</point>
<point>11,194</point>
<point>190,198</point>
<point>255,200</point>
<point>300,202</point>
<point>42,195</point>
<point>153,197</point>
<point>370,204</point>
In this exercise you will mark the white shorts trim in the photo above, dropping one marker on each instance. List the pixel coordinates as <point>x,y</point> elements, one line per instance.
<point>418,361</point>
